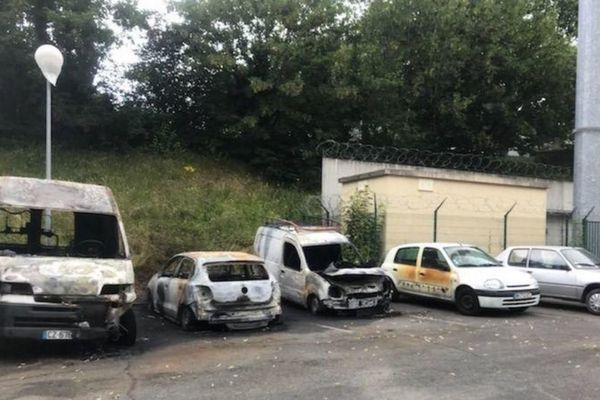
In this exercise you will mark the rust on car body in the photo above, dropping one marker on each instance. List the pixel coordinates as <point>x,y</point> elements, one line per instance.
<point>229,288</point>
<point>63,257</point>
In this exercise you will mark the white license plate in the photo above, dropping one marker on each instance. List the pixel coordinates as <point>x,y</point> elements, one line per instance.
<point>362,303</point>
<point>57,335</point>
<point>521,296</point>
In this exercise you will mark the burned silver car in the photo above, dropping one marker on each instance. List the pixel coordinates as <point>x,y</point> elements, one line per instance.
<point>318,267</point>
<point>215,288</point>
<point>65,269</point>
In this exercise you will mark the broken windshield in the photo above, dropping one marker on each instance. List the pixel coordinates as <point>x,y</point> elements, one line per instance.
<point>232,272</point>
<point>343,255</point>
<point>59,234</point>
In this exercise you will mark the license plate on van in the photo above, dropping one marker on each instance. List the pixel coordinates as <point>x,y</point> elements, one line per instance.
<point>57,335</point>
<point>521,296</point>
<point>362,303</point>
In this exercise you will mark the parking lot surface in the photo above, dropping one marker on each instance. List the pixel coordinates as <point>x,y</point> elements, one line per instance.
<point>423,350</point>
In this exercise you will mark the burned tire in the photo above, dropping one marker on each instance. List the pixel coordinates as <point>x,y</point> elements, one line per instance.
<point>314,305</point>
<point>187,319</point>
<point>127,329</point>
<point>467,301</point>
<point>592,301</point>
<point>150,302</point>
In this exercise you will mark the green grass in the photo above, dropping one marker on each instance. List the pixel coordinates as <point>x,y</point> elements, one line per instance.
<point>166,207</point>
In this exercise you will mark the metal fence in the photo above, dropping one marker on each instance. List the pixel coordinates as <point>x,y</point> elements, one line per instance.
<point>591,236</point>
<point>447,160</point>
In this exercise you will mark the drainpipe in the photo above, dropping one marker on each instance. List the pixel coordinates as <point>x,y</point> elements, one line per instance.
<point>506,224</point>
<point>569,217</point>
<point>435,214</point>
<point>586,171</point>
<point>585,228</point>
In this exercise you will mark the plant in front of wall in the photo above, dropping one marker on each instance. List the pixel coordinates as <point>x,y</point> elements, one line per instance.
<point>363,220</point>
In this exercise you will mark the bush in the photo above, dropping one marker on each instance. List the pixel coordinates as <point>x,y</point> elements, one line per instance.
<point>363,220</point>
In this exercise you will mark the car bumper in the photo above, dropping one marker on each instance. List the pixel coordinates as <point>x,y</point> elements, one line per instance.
<point>32,320</point>
<point>507,299</point>
<point>356,303</point>
<point>240,316</point>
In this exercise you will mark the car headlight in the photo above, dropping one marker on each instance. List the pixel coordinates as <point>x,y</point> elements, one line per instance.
<point>493,284</point>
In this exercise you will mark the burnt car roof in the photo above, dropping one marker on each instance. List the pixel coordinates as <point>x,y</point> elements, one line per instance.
<point>58,195</point>
<point>221,256</point>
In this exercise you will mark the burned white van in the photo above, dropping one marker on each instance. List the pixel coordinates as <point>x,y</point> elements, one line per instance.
<point>65,268</point>
<point>318,267</point>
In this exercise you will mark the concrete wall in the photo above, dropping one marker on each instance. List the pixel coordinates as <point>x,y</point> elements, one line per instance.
<point>559,194</point>
<point>472,213</point>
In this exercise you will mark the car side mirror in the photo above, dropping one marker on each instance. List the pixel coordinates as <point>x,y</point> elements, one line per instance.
<point>566,268</point>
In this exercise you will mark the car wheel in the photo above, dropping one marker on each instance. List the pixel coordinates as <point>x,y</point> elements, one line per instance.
<point>314,305</point>
<point>592,301</point>
<point>150,302</point>
<point>187,319</point>
<point>467,301</point>
<point>127,329</point>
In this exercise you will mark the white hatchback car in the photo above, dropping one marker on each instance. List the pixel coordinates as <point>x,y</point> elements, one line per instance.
<point>226,288</point>
<point>462,274</point>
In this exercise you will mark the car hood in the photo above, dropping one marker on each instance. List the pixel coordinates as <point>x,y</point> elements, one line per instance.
<point>66,275</point>
<point>475,277</point>
<point>355,279</point>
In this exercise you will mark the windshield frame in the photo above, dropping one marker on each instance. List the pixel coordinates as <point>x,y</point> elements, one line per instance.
<point>493,261</point>
<point>342,261</point>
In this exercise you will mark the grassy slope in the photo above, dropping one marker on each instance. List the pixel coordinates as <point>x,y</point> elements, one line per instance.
<point>166,207</point>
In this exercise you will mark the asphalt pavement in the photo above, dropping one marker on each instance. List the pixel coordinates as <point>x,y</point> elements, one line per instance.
<point>422,350</point>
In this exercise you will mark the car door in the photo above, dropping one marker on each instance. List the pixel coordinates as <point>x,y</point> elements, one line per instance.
<point>554,275</point>
<point>162,285</point>
<point>434,276</point>
<point>292,278</point>
<point>404,269</point>
<point>177,285</point>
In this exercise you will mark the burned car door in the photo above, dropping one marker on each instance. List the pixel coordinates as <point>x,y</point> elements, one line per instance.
<point>404,269</point>
<point>178,283</point>
<point>292,278</point>
<point>434,276</point>
<point>162,286</point>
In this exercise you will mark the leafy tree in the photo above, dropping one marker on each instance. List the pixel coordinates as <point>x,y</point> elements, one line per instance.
<point>469,76</point>
<point>79,29</point>
<point>363,221</point>
<point>252,78</point>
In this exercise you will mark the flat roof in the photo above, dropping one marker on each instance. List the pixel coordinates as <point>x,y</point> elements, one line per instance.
<point>448,175</point>
<point>57,195</point>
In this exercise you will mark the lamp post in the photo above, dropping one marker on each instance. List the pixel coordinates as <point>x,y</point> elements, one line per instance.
<point>50,60</point>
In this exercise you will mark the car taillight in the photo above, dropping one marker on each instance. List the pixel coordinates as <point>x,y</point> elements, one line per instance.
<point>204,293</point>
<point>16,288</point>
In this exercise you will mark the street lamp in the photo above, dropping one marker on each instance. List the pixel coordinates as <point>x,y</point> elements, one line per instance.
<point>50,61</point>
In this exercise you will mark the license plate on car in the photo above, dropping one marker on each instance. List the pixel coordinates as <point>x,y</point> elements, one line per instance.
<point>362,303</point>
<point>520,296</point>
<point>57,335</point>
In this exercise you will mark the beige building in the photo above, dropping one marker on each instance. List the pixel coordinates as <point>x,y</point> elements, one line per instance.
<point>473,206</point>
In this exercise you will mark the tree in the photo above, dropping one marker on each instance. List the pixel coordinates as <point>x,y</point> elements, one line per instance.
<point>468,76</point>
<point>251,78</point>
<point>79,29</point>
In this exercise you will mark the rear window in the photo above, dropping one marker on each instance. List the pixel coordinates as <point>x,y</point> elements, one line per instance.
<point>232,272</point>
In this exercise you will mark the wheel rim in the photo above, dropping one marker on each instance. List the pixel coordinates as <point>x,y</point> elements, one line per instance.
<point>185,318</point>
<point>314,305</point>
<point>467,301</point>
<point>594,302</point>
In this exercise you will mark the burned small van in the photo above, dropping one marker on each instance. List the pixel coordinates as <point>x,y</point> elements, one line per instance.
<point>65,268</point>
<point>318,267</point>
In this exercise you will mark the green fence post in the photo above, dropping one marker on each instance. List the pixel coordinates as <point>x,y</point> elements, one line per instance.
<point>435,214</point>
<point>506,224</point>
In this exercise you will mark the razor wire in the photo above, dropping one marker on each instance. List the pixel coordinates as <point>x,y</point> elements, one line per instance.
<point>446,160</point>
